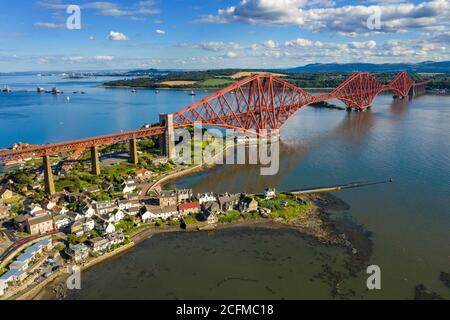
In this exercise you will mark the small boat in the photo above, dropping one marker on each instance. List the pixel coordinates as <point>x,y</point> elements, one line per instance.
<point>192,93</point>
<point>157,92</point>
<point>82,92</point>
<point>6,89</point>
<point>68,99</point>
<point>134,90</point>
<point>40,90</point>
<point>55,91</point>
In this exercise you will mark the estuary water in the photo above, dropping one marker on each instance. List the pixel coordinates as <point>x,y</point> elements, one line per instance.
<point>408,141</point>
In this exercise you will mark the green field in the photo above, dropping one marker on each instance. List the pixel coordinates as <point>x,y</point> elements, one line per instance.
<point>216,82</point>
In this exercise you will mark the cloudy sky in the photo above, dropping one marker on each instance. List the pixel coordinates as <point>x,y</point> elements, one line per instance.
<point>192,34</point>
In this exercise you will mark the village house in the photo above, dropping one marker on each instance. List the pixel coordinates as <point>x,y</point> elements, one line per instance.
<point>91,190</point>
<point>134,211</point>
<point>36,210</point>
<point>13,276</point>
<point>152,213</point>
<point>143,174</point>
<point>129,186</point>
<point>48,204</point>
<point>104,207</point>
<point>99,245</point>
<point>228,202</point>
<point>116,238</point>
<point>166,198</point>
<point>88,211</point>
<point>184,195</point>
<point>5,193</point>
<point>248,204</point>
<point>59,210</point>
<point>270,193</point>
<point>82,226</point>
<point>189,208</point>
<point>77,252</point>
<point>209,217</point>
<point>74,216</point>
<point>206,197</point>
<point>134,196</point>
<point>114,217</point>
<point>39,225</point>
<point>61,221</point>
<point>104,226</point>
<point>211,207</point>
<point>127,204</point>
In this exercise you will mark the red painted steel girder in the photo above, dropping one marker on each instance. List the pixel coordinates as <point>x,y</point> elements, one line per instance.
<point>401,84</point>
<point>83,144</point>
<point>259,102</point>
<point>358,91</point>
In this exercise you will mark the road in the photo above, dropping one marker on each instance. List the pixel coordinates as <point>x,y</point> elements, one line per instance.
<point>12,248</point>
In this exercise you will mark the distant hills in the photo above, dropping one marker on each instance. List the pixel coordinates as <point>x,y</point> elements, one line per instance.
<point>427,66</point>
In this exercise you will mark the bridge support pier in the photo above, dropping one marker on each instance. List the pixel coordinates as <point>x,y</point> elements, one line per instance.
<point>168,138</point>
<point>48,176</point>
<point>134,159</point>
<point>95,161</point>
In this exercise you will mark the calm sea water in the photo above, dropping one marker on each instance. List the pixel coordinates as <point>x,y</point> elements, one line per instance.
<point>410,218</point>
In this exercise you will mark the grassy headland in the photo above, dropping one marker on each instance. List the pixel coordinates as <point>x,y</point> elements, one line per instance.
<point>217,79</point>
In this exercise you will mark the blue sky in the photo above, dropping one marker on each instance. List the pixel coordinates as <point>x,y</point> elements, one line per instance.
<point>192,34</point>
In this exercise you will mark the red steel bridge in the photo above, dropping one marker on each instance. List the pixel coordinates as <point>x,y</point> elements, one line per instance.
<point>257,104</point>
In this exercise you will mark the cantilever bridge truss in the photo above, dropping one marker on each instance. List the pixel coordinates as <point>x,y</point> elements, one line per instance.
<point>264,102</point>
<point>257,104</point>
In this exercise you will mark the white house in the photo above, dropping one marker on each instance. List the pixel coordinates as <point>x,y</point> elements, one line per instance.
<point>206,197</point>
<point>61,221</point>
<point>151,213</point>
<point>35,210</point>
<point>110,228</point>
<point>104,207</point>
<point>118,215</point>
<point>127,204</point>
<point>88,211</point>
<point>114,217</point>
<point>129,187</point>
<point>74,216</point>
<point>48,204</point>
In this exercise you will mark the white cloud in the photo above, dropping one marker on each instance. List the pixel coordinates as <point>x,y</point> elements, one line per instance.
<point>117,36</point>
<point>106,8</point>
<point>159,31</point>
<point>104,58</point>
<point>48,25</point>
<point>270,44</point>
<point>231,55</point>
<point>349,19</point>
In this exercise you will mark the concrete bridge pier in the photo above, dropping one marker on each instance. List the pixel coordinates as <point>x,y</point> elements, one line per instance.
<point>48,176</point>
<point>134,159</point>
<point>168,138</point>
<point>95,161</point>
